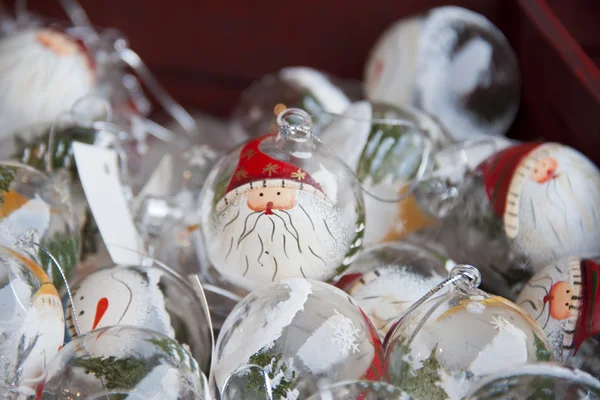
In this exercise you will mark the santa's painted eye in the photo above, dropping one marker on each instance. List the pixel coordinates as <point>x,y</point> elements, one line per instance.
<point>568,291</point>
<point>567,304</point>
<point>278,193</point>
<point>261,195</point>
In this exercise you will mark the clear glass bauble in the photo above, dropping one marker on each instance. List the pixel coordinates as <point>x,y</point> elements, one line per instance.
<point>360,390</point>
<point>389,148</point>
<point>301,87</point>
<point>564,299</point>
<point>148,295</point>
<point>31,200</point>
<point>546,381</point>
<point>452,340</point>
<point>452,63</point>
<point>520,210</point>
<point>123,361</point>
<point>385,280</point>
<point>281,206</point>
<point>301,333</point>
<point>31,322</point>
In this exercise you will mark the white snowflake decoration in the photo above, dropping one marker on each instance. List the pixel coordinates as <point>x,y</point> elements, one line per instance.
<point>344,333</point>
<point>500,323</point>
<point>199,156</point>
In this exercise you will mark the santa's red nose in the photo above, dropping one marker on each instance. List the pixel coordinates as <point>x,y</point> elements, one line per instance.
<point>269,210</point>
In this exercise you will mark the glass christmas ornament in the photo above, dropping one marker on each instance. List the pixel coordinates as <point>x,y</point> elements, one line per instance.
<point>386,279</point>
<point>31,200</point>
<point>521,209</point>
<point>452,63</point>
<point>564,298</point>
<point>281,206</point>
<point>302,87</point>
<point>538,381</point>
<point>45,72</point>
<point>148,295</point>
<point>290,336</point>
<point>389,148</point>
<point>360,390</point>
<point>445,344</point>
<point>31,321</point>
<point>122,361</point>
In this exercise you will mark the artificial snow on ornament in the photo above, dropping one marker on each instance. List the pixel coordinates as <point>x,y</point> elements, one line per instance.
<point>123,360</point>
<point>31,200</point>
<point>311,90</point>
<point>452,63</point>
<point>279,207</point>
<point>31,322</point>
<point>389,148</point>
<point>520,210</point>
<point>448,341</point>
<point>44,72</point>
<point>149,295</point>
<point>300,333</point>
<point>538,381</point>
<point>360,390</point>
<point>564,298</point>
<point>385,280</point>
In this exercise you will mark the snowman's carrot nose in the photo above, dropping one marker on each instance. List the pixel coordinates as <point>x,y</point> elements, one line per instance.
<point>101,308</point>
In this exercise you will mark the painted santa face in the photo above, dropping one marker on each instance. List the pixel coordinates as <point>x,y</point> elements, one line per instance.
<point>560,301</point>
<point>32,321</point>
<point>563,298</point>
<point>548,196</point>
<point>275,221</point>
<point>544,169</point>
<point>44,73</point>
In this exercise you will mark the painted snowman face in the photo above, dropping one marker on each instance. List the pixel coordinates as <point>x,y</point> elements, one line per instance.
<point>119,296</point>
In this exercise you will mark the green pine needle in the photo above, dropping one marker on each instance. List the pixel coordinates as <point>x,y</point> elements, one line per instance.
<point>115,373</point>
<point>7,176</point>
<point>256,383</point>
<point>66,251</point>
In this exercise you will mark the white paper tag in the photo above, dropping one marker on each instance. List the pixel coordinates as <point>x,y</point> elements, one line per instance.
<point>98,171</point>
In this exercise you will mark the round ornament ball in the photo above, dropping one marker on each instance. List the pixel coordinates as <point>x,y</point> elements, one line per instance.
<point>564,298</point>
<point>148,295</point>
<point>44,73</point>
<point>441,348</point>
<point>385,280</point>
<point>123,361</point>
<point>388,148</point>
<point>281,206</point>
<point>299,333</point>
<point>313,91</point>
<point>452,63</point>
<point>30,200</point>
<point>32,327</point>
<point>521,209</point>
<point>538,381</point>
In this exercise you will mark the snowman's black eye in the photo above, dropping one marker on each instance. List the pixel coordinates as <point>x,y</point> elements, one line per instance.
<point>81,298</point>
<point>81,313</point>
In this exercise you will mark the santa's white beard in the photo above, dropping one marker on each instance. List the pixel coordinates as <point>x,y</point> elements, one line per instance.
<point>559,218</point>
<point>37,84</point>
<point>251,248</point>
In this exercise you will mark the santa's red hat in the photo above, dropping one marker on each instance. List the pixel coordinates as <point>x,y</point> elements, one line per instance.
<point>588,321</point>
<point>256,169</point>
